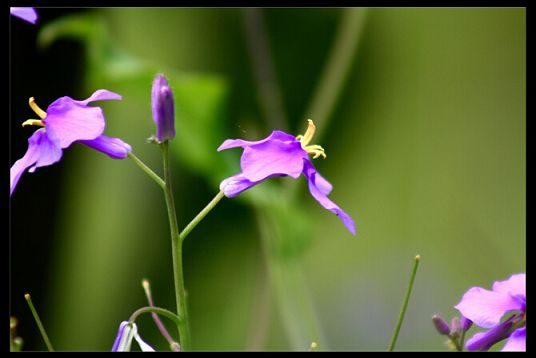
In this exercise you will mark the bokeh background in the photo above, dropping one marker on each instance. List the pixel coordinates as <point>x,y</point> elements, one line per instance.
<point>422,112</point>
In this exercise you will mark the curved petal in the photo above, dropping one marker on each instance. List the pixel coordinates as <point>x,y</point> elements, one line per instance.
<point>113,147</point>
<point>484,340</point>
<point>517,341</point>
<point>275,135</point>
<point>143,345</point>
<point>99,95</point>
<point>26,13</point>
<point>322,184</point>
<point>234,185</point>
<point>320,196</point>
<point>41,152</point>
<point>485,308</point>
<point>68,121</point>
<point>515,285</point>
<point>120,338</point>
<point>271,158</point>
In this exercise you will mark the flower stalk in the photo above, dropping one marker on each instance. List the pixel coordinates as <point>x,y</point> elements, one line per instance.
<point>201,216</point>
<point>38,322</point>
<point>404,304</point>
<point>176,247</point>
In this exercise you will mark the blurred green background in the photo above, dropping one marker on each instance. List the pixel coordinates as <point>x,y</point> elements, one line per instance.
<point>426,144</point>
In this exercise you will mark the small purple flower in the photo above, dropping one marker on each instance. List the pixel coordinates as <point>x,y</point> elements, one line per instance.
<point>66,121</point>
<point>486,308</point>
<point>25,13</point>
<point>282,154</point>
<point>163,109</point>
<point>126,333</point>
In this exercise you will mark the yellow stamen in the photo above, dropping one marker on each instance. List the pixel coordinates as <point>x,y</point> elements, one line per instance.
<point>309,133</point>
<point>33,122</point>
<point>306,138</point>
<point>42,114</point>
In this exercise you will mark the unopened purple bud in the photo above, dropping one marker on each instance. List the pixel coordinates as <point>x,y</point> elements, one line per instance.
<point>466,323</point>
<point>455,327</point>
<point>440,324</point>
<point>163,109</point>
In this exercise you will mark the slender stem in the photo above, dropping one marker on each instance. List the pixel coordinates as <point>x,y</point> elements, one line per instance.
<point>338,65</point>
<point>147,170</point>
<point>404,304</point>
<point>39,323</point>
<point>176,247</point>
<point>462,339</point>
<point>161,311</point>
<point>200,216</point>
<point>457,345</point>
<point>161,327</point>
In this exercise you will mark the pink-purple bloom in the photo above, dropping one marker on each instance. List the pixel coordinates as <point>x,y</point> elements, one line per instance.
<point>163,109</point>
<point>486,309</point>
<point>26,13</point>
<point>64,122</point>
<point>282,154</point>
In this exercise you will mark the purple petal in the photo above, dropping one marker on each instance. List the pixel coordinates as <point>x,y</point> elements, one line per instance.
<point>114,147</point>
<point>234,185</point>
<point>68,121</point>
<point>517,341</point>
<point>515,285</point>
<point>119,336</point>
<point>25,13</point>
<point>100,95</point>
<point>276,135</point>
<point>484,340</point>
<point>41,152</point>
<point>322,184</point>
<point>320,196</point>
<point>271,158</point>
<point>485,308</point>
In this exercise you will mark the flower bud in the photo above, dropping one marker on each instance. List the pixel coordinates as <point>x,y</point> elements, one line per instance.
<point>163,109</point>
<point>455,327</point>
<point>466,323</point>
<point>440,324</point>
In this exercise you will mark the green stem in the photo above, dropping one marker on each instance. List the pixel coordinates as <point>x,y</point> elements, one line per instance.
<point>176,247</point>
<point>200,216</point>
<point>157,310</point>
<point>462,339</point>
<point>147,170</point>
<point>161,327</point>
<point>405,304</point>
<point>39,323</point>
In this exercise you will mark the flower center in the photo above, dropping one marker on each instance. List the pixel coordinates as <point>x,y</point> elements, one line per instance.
<point>306,138</point>
<point>42,114</point>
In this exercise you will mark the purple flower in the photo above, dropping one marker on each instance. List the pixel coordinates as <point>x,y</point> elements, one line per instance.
<point>66,121</point>
<point>282,154</point>
<point>25,13</point>
<point>486,308</point>
<point>163,109</point>
<point>126,333</point>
